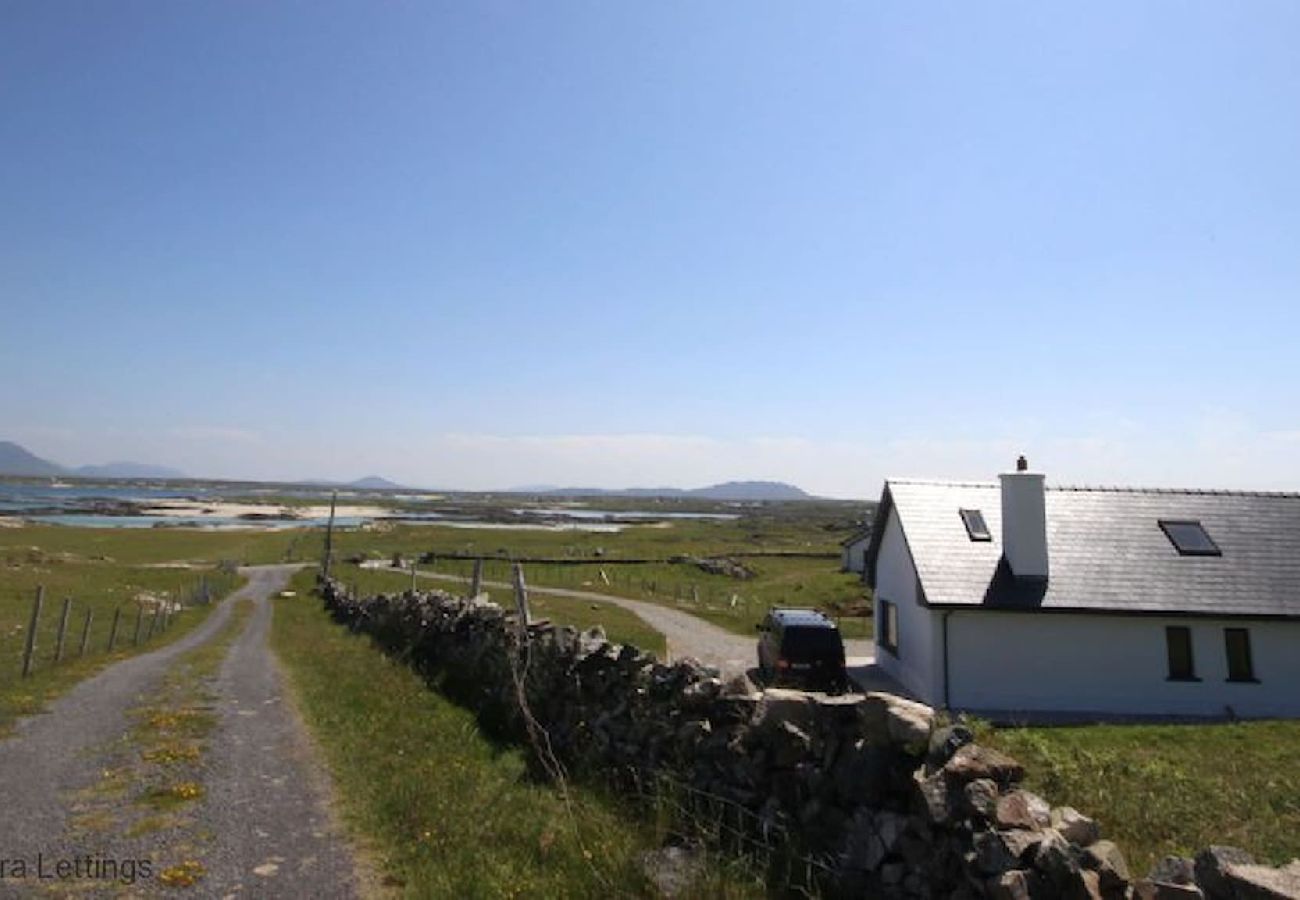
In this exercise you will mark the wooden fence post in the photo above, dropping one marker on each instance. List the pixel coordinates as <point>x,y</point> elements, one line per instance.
<point>476,580</point>
<point>63,629</point>
<point>414,571</point>
<point>328,561</point>
<point>112,632</point>
<point>521,602</point>
<point>85,631</point>
<point>30,649</point>
<point>139,621</point>
<point>153,623</point>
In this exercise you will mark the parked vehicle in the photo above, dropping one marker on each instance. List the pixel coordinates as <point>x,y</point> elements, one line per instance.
<point>801,648</point>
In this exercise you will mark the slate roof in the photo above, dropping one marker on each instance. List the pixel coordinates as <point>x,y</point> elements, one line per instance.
<point>1106,550</point>
<point>858,535</point>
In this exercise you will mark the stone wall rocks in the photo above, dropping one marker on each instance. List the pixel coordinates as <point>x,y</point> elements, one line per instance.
<point>893,804</point>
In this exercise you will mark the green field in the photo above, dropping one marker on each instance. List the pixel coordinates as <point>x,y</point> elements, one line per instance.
<point>732,603</point>
<point>1171,789</point>
<point>139,546</point>
<point>621,626</point>
<point>441,810</point>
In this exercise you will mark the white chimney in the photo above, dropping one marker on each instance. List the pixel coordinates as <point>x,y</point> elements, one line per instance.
<point>1024,522</point>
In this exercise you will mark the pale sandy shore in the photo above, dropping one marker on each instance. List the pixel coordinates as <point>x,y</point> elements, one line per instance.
<point>221,509</point>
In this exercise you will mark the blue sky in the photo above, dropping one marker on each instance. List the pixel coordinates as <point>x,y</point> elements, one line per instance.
<point>485,244</point>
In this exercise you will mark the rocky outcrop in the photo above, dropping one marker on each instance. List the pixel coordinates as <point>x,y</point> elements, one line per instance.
<point>889,801</point>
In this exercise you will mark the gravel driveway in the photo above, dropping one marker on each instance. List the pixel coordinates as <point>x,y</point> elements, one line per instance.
<point>687,635</point>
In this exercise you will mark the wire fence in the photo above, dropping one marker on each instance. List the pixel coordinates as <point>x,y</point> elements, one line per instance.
<point>58,632</point>
<point>725,826</point>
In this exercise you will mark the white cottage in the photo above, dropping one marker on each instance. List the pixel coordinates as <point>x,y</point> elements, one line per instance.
<point>854,551</point>
<point>1014,597</point>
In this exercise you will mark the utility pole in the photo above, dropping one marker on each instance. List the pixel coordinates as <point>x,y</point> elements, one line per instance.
<point>329,536</point>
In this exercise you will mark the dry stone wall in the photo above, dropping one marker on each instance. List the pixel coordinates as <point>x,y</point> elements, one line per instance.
<point>897,804</point>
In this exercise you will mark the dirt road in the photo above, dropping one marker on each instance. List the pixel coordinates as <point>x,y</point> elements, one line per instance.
<point>82,797</point>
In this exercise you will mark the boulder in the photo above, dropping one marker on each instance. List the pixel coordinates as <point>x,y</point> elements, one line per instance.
<point>1022,844</point>
<point>672,870</point>
<point>1022,809</point>
<point>1211,867</point>
<point>975,761</point>
<point>701,693</point>
<point>1056,860</point>
<point>1089,887</point>
<point>789,745</point>
<point>864,774</point>
<point>991,854</point>
<point>872,838</point>
<point>946,741</point>
<point>934,799</point>
<point>1105,858</point>
<point>780,705</point>
<point>982,797</point>
<point>1174,870</point>
<point>889,719</point>
<point>738,685</point>
<point>1075,826</point>
<point>1250,882</point>
<point>1017,884</point>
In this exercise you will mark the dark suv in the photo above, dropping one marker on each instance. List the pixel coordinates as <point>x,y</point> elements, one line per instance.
<point>801,648</point>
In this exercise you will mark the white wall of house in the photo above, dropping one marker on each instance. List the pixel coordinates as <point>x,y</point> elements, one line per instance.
<point>855,555</point>
<point>916,663</point>
<point>1114,664</point>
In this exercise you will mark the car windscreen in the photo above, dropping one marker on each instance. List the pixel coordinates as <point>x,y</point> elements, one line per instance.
<point>805,645</point>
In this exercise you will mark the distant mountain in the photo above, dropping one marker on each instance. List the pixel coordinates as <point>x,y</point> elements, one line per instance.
<point>374,483</point>
<point>127,470</point>
<point>731,490</point>
<point>751,490</point>
<point>16,460</point>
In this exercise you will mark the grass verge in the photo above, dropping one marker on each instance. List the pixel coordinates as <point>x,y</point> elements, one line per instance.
<point>1171,789</point>
<point>445,811</point>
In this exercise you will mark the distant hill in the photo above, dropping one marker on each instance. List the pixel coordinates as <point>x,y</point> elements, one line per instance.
<point>752,490</point>
<point>16,460</point>
<point>127,470</point>
<point>374,483</point>
<point>731,490</point>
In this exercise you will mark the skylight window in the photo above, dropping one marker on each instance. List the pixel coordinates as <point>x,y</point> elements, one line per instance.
<point>1189,538</point>
<point>975,525</point>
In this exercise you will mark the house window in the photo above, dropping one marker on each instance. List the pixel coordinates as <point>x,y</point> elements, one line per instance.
<point>1237,643</point>
<point>887,627</point>
<point>1178,641</point>
<point>1190,538</point>
<point>976,527</point>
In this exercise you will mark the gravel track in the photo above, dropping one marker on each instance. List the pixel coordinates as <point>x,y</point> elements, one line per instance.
<point>265,825</point>
<point>56,753</point>
<point>267,802</point>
